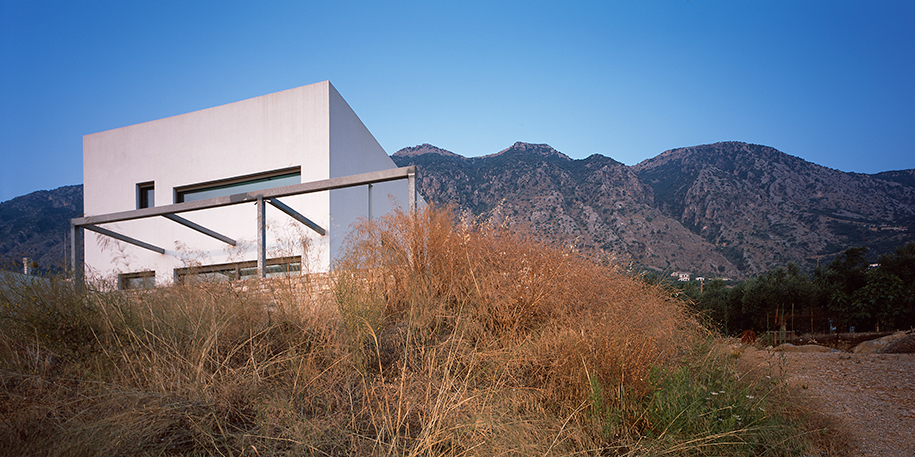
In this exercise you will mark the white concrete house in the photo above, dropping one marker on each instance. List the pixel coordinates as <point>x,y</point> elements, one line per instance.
<point>180,192</point>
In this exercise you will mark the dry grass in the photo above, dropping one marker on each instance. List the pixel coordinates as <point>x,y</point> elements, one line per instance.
<point>437,338</point>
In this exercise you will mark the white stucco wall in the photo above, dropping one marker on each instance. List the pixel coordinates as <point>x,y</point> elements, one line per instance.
<point>354,150</point>
<point>310,126</point>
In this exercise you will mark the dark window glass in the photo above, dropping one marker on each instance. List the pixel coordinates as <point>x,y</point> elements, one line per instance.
<point>138,280</point>
<point>237,186</point>
<point>146,195</point>
<point>283,266</point>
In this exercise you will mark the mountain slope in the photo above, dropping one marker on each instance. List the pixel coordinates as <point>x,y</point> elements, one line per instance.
<point>595,202</point>
<point>37,226</point>
<point>763,207</point>
<point>725,209</point>
<point>732,209</point>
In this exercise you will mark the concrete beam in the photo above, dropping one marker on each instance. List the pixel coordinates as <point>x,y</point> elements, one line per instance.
<point>285,191</point>
<point>199,228</point>
<point>124,238</point>
<point>77,225</point>
<point>295,215</point>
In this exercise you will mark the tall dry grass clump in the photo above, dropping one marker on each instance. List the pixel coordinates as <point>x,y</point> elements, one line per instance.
<point>543,316</point>
<point>433,337</point>
<point>202,368</point>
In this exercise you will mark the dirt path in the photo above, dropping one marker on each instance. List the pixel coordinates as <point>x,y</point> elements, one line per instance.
<point>871,397</point>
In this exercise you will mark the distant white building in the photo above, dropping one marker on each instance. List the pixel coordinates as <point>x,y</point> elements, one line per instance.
<point>142,182</point>
<point>681,275</point>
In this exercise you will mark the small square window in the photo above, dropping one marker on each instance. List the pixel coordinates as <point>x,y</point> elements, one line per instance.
<point>146,195</point>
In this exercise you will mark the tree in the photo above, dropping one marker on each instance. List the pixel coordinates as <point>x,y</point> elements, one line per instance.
<point>894,279</point>
<point>866,297</point>
<point>871,298</point>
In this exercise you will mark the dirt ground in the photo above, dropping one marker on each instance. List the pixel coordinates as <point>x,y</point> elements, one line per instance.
<point>869,398</point>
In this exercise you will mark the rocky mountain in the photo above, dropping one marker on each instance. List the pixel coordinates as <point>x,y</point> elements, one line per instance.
<point>762,207</point>
<point>37,226</point>
<point>727,209</point>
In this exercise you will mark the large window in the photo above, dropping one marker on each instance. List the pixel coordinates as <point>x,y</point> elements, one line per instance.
<point>238,185</point>
<point>282,266</point>
<point>146,195</point>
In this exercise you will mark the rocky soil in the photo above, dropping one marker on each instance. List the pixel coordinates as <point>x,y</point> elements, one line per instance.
<point>867,396</point>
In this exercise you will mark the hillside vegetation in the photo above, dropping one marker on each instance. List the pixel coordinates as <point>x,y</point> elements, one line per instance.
<point>849,294</point>
<point>434,338</point>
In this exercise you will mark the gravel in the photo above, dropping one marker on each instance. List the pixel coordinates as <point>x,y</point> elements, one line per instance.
<point>870,397</point>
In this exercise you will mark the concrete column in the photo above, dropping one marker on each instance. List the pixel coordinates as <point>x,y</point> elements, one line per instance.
<point>411,191</point>
<point>261,238</point>
<point>77,254</point>
<point>370,201</point>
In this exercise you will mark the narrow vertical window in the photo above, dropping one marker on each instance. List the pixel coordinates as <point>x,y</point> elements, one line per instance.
<point>146,195</point>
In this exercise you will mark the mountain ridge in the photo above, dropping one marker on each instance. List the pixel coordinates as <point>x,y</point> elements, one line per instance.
<point>728,209</point>
<point>36,225</point>
<point>686,208</point>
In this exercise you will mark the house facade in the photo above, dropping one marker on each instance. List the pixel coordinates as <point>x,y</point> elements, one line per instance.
<point>187,186</point>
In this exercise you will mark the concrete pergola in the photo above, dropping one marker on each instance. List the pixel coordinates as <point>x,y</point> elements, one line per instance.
<point>80,224</point>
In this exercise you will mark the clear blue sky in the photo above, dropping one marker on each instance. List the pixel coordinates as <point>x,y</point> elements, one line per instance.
<point>832,82</point>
